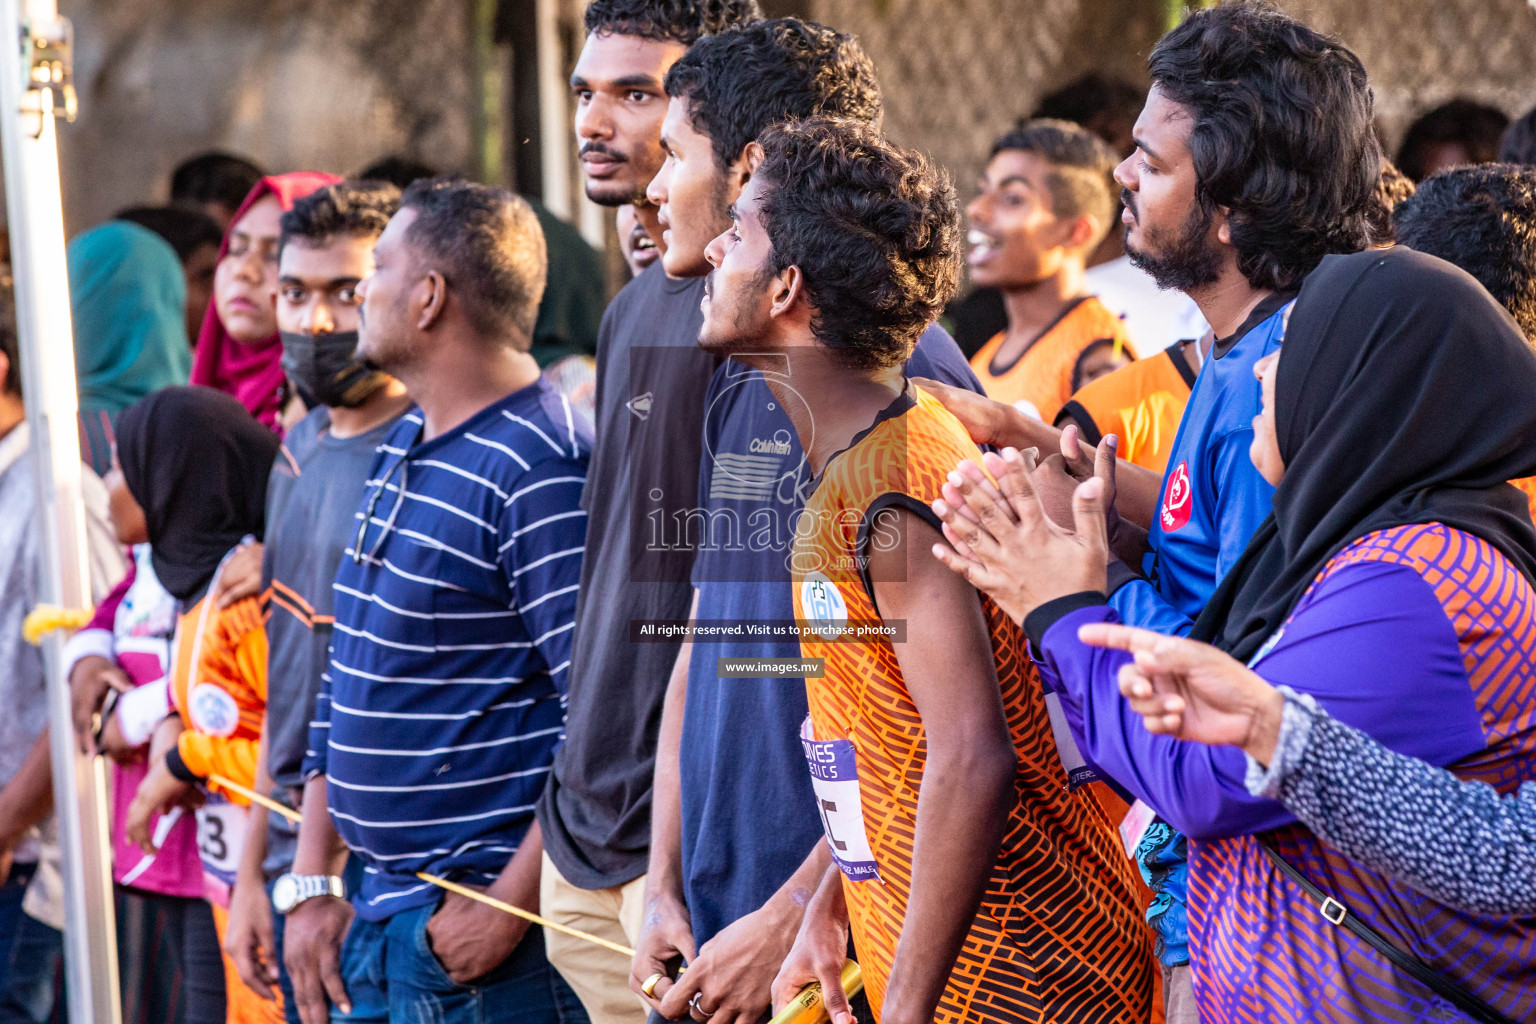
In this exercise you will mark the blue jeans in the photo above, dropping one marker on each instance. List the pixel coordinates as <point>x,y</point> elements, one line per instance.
<point>32,972</point>
<point>392,976</point>
<point>284,982</point>
<point>12,890</point>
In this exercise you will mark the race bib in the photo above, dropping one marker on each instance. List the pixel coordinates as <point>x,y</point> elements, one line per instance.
<point>1133,827</point>
<point>1072,762</point>
<point>220,838</point>
<point>835,779</point>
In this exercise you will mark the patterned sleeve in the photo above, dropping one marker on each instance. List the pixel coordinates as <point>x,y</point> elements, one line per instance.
<point>1458,842</point>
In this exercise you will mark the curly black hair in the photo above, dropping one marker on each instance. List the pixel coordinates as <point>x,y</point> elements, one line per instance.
<point>1092,97</point>
<point>345,208</point>
<point>1082,164</point>
<point>488,245</point>
<point>1393,188</point>
<point>874,229</point>
<point>746,78</point>
<point>214,177</point>
<point>682,21</point>
<point>1282,134</point>
<point>186,227</point>
<point>1482,219</point>
<point>1475,127</point>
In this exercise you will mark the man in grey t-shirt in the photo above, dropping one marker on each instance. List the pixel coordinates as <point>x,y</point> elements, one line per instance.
<point>312,498</point>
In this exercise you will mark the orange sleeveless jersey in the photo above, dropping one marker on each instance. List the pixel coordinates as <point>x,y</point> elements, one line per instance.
<point>1140,403</point>
<point>1059,935</point>
<point>1528,487</point>
<point>219,686</point>
<point>1042,376</point>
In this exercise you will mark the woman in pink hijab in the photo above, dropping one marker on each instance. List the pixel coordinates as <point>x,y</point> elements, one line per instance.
<point>238,351</point>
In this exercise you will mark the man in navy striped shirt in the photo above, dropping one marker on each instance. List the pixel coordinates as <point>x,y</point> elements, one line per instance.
<point>444,701</point>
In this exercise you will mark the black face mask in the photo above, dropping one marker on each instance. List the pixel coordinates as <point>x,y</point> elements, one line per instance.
<point>325,369</point>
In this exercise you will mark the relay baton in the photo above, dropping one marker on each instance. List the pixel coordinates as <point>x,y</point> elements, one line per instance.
<point>808,1007</point>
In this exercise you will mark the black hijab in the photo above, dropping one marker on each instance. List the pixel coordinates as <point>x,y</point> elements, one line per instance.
<point>197,463</point>
<point>1405,394</point>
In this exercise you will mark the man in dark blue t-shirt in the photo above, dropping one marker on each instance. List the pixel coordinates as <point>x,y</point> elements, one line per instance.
<point>735,838</point>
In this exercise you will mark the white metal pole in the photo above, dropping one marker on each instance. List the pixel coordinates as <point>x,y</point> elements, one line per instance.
<point>554,129</point>
<point>35,213</point>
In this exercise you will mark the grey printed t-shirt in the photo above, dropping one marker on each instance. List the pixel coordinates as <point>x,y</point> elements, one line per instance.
<point>313,498</point>
<point>652,379</point>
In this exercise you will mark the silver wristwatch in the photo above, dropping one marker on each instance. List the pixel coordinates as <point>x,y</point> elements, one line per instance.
<point>290,890</point>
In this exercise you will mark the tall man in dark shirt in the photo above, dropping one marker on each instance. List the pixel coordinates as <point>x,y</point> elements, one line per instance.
<point>596,809</point>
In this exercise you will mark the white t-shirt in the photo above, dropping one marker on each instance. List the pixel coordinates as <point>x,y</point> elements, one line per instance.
<point>1155,318</point>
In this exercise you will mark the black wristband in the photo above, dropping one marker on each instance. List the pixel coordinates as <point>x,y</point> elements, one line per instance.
<point>1119,575</point>
<point>178,767</point>
<point>1047,615</point>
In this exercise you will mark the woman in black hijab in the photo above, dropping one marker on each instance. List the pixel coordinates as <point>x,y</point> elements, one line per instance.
<point>1392,584</point>
<point>197,463</point>
<point>1405,396</point>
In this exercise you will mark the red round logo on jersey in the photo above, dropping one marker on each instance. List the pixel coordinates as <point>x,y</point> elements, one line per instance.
<point>1176,499</point>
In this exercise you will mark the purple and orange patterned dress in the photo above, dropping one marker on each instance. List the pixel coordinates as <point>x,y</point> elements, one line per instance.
<point>1423,637</point>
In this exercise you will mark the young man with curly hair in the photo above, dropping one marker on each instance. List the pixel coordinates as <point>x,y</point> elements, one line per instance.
<point>722,891</point>
<point>954,836</point>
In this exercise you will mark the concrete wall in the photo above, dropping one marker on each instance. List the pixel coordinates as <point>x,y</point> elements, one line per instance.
<point>956,73</point>
<point>293,84</point>
<point>1420,53</point>
<point>332,84</point>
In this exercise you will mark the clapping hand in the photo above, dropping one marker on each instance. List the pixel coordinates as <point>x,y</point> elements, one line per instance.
<point>1004,543</point>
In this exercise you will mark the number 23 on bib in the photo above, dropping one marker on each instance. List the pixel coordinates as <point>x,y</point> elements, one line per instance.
<point>835,779</point>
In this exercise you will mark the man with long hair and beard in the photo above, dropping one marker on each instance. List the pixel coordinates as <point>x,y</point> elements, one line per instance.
<point>1255,158</point>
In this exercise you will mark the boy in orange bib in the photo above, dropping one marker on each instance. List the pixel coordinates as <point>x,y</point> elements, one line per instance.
<point>1046,202</point>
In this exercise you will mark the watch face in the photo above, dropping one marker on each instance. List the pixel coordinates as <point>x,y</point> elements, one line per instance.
<point>285,892</point>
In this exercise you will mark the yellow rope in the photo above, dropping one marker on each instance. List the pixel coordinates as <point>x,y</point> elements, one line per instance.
<point>46,618</point>
<point>806,1008</point>
<point>442,883</point>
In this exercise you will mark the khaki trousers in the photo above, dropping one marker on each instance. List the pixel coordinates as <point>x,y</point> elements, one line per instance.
<point>599,976</point>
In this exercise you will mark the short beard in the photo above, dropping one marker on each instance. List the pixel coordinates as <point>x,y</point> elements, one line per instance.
<point>613,198</point>
<point>742,334</point>
<point>1187,262</point>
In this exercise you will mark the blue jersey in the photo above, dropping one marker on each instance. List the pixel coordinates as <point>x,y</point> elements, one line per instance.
<point>749,815</point>
<point>1213,499</point>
